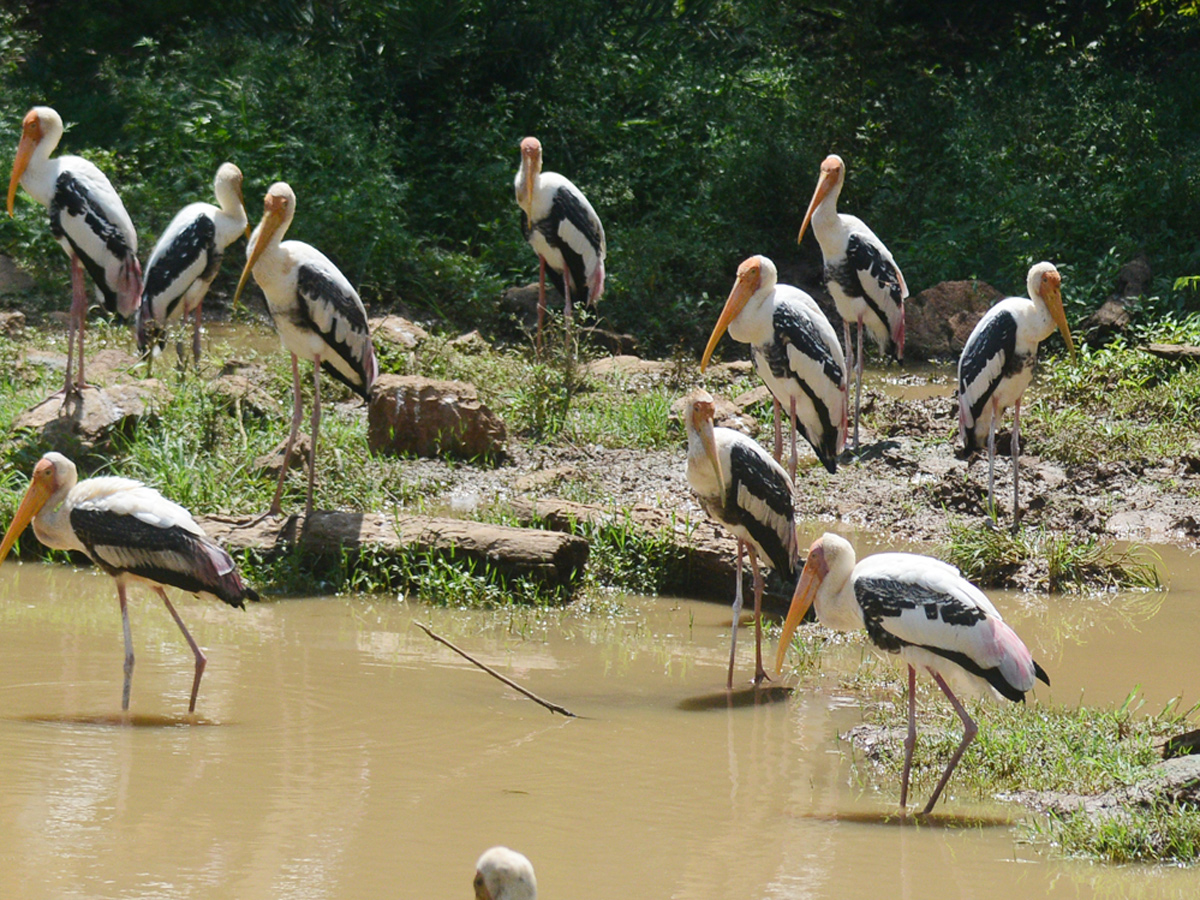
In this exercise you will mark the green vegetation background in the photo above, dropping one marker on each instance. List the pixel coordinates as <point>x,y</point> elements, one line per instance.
<point>979,136</point>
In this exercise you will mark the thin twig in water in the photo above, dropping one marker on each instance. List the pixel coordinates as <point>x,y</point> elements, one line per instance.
<point>553,707</point>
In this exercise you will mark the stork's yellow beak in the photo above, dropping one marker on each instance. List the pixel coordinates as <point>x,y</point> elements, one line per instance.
<point>273,215</point>
<point>802,599</point>
<point>40,489</point>
<point>824,185</point>
<point>748,279</point>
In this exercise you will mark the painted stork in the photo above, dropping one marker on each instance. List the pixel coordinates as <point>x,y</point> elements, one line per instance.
<point>133,533</point>
<point>924,611</point>
<point>743,488</point>
<point>996,366</point>
<point>795,351</point>
<point>87,219</point>
<point>503,874</point>
<point>866,284</point>
<point>187,257</point>
<point>563,230</point>
<point>317,313</point>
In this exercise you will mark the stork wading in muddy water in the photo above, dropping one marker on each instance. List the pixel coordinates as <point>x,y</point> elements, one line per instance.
<point>503,874</point>
<point>924,611</point>
<point>187,258</point>
<point>317,313</point>
<point>996,366</point>
<point>87,219</point>
<point>795,351</point>
<point>563,230</point>
<point>133,533</point>
<point>743,488</point>
<point>860,273</point>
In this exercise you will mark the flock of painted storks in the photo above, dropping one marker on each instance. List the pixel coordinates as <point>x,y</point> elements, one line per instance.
<point>912,606</point>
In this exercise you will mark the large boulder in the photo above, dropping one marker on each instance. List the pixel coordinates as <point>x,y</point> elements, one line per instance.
<point>88,421</point>
<point>412,415</point>
<point>938,321</point>
<point>396,333</point>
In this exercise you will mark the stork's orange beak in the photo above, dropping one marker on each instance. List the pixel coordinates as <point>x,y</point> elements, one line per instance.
<point>748,280</point>
<point>40,489</point>
<point>703,422</point>
<point>1053,298</point>
<point>273,216</point>
<point>802,599</point>
<point>824,185</point>
<point>24,153</point>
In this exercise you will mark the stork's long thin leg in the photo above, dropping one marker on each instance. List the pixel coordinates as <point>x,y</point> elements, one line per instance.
<point>128,645</point>
<point>858,380</point>
<point>567,308</point>
<point>316,427</point>
<point>196,339</point>
<point>297,414</point>
<point>992,460</point>
<point>910,742</point>
<point>792,470</point>
<point>75,326</point>
<point>970,729</point>
<point>1016,463</point>
<point>850,365</point>
<point>737,615</point>
<point>760,674</point>
<point>778,428</point>
<point>541,298</point>
<point>201,659</point>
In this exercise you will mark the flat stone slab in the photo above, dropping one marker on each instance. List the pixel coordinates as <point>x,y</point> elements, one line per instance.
<point>87,421</point>
<point>550,558</point>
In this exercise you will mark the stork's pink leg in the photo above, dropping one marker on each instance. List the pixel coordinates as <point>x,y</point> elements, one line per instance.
<point>992,459</point>
<point>316,427</point>
<point>760,674</point>
<point>567,308</point>
<point>792,470</point>
<point>778,428</point>
<point>541,298</point>
<point>196,339</point>
<point>128,644</point>
<point>858,380</point>
<point>910,742</point>
<point>970,729</point>
<point>201,659</point>
<point>79,306</point>
<point>297,414</point>
<point>1015,449</point>
<point>737,615</point>
<point>849,367</point>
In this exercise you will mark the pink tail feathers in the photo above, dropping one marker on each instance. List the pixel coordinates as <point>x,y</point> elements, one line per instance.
<point>898,333</point>
<point>129,286</point>
<point>596,284</point>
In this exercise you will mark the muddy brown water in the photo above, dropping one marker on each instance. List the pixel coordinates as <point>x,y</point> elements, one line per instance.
<point>339,752</point>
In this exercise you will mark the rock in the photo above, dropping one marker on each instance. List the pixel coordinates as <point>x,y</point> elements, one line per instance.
<point>1172,351</point>
<point>471,344</point>
<point>626,367</point>
<point>239,388</point>
<point>12,279</point>
<point>410,414</point>
<point>108,365</point>
<point>12,321</point>
<point>1135,278</point>
<point>544,478</point>
<point>87,422</point>
<point>1170,783</point>
<point>610,341</point>
<point>938,321</point>
<point>396,332</point>
<point>1109,321</point>
<point>272,463</point>
<point>549,558</point>
<point>522,302</point>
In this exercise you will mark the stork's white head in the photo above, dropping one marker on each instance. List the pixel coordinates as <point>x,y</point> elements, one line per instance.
<point>755,276</point>
<point>503,874</point>
<point>1045,284</point>
<point>698,411</point>
<point>54,473</point>
<point>531,168</point>
<point>828,567</point>
<point>42,129</point>
<point>279,207</point>
<point>227,185</point>
<point>833,173</point>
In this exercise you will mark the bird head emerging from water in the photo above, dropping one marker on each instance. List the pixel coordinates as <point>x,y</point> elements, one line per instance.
<point>1045,284</point>
<point>52,472</point>
<point>829,557</point>
<point>278,208</point>
<point>531,167</point>
<point>754,275</point>
<point>833,173</point>
<point>503,874</point>
<point>40,124</point>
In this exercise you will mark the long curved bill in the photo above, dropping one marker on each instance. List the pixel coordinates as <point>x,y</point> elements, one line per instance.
<point>20,164</point>
<point>1060,319</point>
<point>271,220</point>
<point>824,185</point>
<point>743,290</point>
<point>35,498</point>
<point>709,439</point>
<point>802,599</point>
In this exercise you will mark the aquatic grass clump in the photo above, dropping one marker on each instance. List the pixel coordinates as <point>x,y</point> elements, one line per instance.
<point>1160,833</point>
<point>991,557</point>
<point>628,558</point>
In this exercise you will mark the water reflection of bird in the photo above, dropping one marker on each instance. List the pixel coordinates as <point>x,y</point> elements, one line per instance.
<point>923,610</point>
<point>134,534</point>
<point>743,488</point>
<point>187,257</point>
<point>795,351</point>
<point>503,874</point>
<point>563,229</point>
<point>317,313</point>
<point>87,219</point>
<point>996,366</point>
<point>860,272</point>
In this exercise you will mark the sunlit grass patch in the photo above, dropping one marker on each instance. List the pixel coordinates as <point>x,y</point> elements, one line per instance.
<point>1161,833</point>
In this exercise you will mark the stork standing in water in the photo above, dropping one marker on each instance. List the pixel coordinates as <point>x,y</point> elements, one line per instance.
<point>133,533</point>
<point>924,611</point>
<point>187,257</point>
<point>996,366</point>
<point>563,230</point>
<point>317,313</point>
<point>87,219</point>
<point>503,874</point>
<point>743,488</point>
<point>866,284</point>
<point>795,351</point>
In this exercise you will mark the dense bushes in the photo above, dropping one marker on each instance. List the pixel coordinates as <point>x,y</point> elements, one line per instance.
<point>978,139</point>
